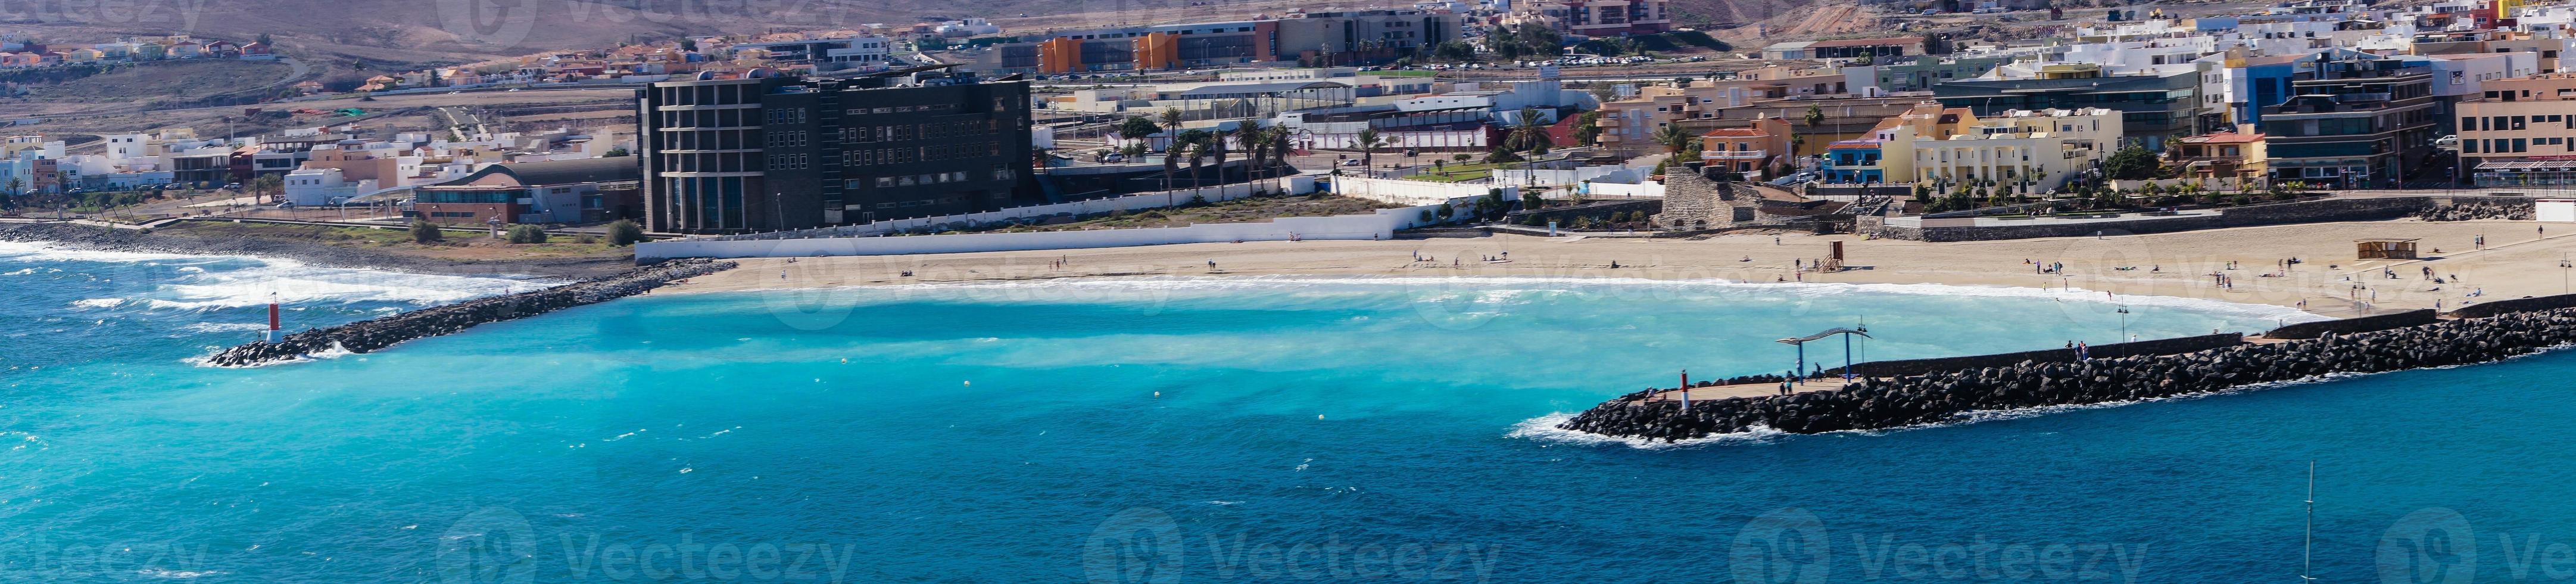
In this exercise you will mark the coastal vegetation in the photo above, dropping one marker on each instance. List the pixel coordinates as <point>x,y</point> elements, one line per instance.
<point>622,233</point>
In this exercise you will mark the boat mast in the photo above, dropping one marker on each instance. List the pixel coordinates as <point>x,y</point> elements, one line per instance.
<point>2307,555</point>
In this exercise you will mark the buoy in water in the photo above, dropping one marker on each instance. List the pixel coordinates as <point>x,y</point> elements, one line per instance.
<point>970,384</point>
<point>1319,416</point>
<point>1158,394</point>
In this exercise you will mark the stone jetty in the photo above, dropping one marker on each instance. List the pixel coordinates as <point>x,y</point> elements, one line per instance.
<point>1892,402</point>
<point>368,336</point>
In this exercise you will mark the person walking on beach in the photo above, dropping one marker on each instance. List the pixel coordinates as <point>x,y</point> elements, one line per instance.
<point>1211,265</point>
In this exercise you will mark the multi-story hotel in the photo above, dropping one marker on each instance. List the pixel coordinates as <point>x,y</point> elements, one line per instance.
<point>772,152</point>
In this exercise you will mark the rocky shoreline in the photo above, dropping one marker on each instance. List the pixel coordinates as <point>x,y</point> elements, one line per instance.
<point>179,240</point>
<point>1874,404</point>
<point>372,335</point>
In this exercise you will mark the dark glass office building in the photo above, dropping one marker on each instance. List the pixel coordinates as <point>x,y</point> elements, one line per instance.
<point>772,152</point>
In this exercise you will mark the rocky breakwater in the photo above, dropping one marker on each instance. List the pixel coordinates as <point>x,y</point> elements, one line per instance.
<point>368,336</point>
<point>1944,397</point>
<point>2478,210</point>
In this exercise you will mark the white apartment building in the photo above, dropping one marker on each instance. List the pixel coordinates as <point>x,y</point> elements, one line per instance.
<point>2038,151</point>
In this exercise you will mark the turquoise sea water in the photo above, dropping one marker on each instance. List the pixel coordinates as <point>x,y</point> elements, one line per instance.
<point>1305,430</point>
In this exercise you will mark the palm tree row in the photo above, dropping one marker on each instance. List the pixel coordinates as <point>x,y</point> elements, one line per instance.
<point>1264,146</point>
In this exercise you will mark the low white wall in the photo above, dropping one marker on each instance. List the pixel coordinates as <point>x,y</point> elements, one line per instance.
<point>1379,225</point>
<point>1412,192</point>
<point>1648,189</point>
<point>1553,178</point>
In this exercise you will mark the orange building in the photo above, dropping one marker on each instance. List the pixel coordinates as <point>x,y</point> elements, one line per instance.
<point>1060,55</point>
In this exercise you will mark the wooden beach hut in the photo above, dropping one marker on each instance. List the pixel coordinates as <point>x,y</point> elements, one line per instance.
<point>2384,249</point>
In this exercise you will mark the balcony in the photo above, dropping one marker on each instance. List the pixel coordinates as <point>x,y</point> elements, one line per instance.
<point>1735,155</point>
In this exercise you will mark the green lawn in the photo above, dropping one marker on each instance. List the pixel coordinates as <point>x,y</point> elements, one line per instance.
<point>1460,172</point>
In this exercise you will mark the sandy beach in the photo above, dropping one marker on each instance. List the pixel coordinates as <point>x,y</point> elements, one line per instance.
<point>2243,265</point>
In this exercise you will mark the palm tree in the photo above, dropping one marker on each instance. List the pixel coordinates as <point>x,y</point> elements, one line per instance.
<point>1279,144</point>
<point>1369,141</point>
<point>1193,140</point>
<point>1256,145</point>
<point>1171,160</point>
<point>1674,138</point>
<point>1216,146</point>
<point>1529,135</point>
<point>1172,118</point>
<point>1815,116</point>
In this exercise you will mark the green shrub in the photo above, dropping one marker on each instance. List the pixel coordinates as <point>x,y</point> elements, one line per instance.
<point>623,233</point>
<point>423,232</point>
<point>525,233</point>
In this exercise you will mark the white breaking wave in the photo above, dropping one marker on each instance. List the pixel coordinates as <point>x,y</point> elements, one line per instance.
<point>258,281</point>
<point>336,351</point>
<point>294,283</point>
<point>1544,428</point>
<point>45,252</point>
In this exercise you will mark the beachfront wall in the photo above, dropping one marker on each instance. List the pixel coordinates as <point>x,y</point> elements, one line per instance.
<point>2110,351</point>
<point>1380,225</point>
<point>2356,325</point>
<point>1295,185</point>
<point>1413,192</point>
<point>2320,211</point>
<point>2496,307</point>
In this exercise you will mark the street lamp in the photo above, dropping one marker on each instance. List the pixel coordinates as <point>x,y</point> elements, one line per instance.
<point>2124,321</point>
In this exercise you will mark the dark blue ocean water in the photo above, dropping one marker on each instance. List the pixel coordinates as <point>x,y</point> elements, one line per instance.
<point>1192,431</point>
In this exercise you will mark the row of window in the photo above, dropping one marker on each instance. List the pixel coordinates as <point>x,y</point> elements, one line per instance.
<point>708,140</point>
<point>451,214</point>
<point>902,109</point>
<point>711,118</point>
<point>934,153</point>
<point>2493,123</point>
<point>896,133</point>
<point>711,94</point>
<point>786,139</point>
<point>2504,146</point>
<point>936,178</point>
<point>713,162</point>
<point>788,162</point>
<point>786,116</point>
